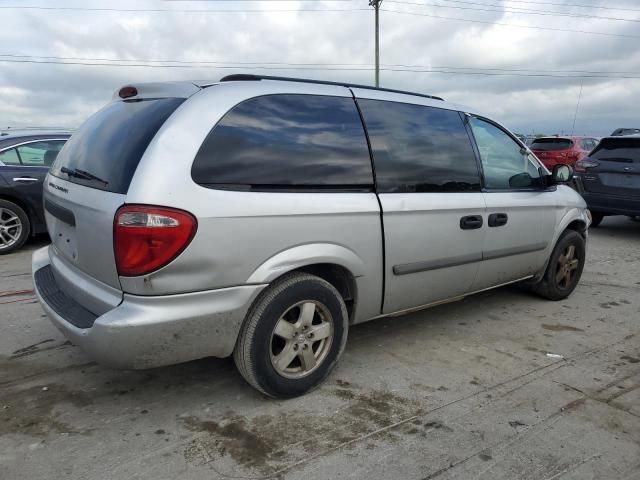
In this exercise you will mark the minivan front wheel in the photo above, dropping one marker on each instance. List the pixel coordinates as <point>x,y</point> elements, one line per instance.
<point>14,227</point>
<point>565,267</point>
<point>292,336</point>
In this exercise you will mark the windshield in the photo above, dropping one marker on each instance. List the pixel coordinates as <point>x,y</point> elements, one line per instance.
<point>105,151</point>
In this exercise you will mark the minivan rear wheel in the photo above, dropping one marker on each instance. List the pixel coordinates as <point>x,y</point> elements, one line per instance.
<point>14,227</point>
<point>565,267</point>
<point>292,336</point>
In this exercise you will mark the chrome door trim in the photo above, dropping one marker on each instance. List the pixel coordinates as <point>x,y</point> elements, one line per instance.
<point>507,252</point>
<point>25,179</point>
<point>416,267</point>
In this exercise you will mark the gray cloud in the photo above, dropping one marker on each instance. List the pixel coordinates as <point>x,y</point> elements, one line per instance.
<point>64,95</point>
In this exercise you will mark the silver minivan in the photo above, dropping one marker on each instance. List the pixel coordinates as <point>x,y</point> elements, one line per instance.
<point>261,217</point>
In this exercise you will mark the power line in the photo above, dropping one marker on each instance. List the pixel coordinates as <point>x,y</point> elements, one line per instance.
<point>519,10</point>
<point>213,63</point>
<point>101,59</point>
<point>608,7</point>
<point>443,70</point>
<point>486,22</point>
<point>178,10</point>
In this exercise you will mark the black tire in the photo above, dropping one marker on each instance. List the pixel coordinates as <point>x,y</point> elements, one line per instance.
<point>254,352</point>
<point>20,226</point>
<point>596,218</point>
<point>549,286</point>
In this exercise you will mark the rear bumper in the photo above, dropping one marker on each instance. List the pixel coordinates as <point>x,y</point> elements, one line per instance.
<point>149,331</point>
<point>612,204</point>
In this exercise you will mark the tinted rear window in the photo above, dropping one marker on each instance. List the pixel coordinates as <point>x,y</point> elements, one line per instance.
<point>110,143</point>
<point>419,149</point>
<point>286,141</point>
<point>548,144</point>
<point>626,150</point>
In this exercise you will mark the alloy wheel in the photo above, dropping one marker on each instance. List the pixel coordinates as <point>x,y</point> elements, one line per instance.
<point>566,267</point>
<point>301,339</point>
<point>10,228</point>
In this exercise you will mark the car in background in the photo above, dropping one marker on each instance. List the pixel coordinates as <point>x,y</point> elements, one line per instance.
<point>553,151</point>
<point>620,132</point>
<point>609,178</point>
<point>25,158</point>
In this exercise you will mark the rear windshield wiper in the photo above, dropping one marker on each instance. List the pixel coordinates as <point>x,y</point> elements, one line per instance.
<point>76,172</point>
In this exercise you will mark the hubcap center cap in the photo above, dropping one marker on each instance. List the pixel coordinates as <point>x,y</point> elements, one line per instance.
<point>302,338</point>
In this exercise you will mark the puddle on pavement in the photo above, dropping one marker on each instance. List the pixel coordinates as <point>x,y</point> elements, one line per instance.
<point>32,411</point>
<point>268,443</point>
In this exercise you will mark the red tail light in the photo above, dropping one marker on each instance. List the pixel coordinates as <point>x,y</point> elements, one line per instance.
<point>582,165</point>
<point>147,238</point>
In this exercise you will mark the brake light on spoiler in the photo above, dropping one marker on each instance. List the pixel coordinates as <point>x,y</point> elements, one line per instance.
<point>146,238</point>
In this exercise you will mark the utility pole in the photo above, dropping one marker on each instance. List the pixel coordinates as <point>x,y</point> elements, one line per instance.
<point>376,5</point>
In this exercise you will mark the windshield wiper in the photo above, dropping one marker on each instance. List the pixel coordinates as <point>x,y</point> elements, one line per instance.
<point>76,172</point>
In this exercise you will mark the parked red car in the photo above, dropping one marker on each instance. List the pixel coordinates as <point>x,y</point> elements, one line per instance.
<point>554,150</point>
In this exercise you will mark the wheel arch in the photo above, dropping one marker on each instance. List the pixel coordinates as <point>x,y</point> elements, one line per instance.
<point>575,219</point>
<point>336,264</point>
<point>24,206</point>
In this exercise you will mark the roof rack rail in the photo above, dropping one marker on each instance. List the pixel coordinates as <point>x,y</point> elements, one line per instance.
<point>251,77</point>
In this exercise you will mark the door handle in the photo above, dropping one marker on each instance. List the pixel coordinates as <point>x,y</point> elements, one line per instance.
<point>25,179</point>
<point>498,219</point>
<point>471,222</point>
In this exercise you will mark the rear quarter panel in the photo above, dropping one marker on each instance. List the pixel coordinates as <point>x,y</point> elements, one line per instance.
<point>251,237</point>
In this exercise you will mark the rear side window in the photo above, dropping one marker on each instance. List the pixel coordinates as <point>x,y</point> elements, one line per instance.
<point>40,154</point>
<point>10,157</point>
<point>624,150</point>
<point>286,142</point>
<point>419,149</point>
<point>106,149</point>
<point>550,144</point>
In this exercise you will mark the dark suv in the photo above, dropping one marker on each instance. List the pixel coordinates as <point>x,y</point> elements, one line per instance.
<point>619,132</point>
<point>25,158</point>
<point>609,178</point>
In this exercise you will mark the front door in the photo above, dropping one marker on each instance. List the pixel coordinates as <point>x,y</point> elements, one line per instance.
<point>521,212</point>
<point>429,189</point>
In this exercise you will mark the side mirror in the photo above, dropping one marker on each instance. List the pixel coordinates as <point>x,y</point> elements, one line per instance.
<point>521,180</point>
<point>561,174</point>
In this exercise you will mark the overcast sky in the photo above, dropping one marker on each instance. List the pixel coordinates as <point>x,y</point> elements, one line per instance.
<point>270,33</point>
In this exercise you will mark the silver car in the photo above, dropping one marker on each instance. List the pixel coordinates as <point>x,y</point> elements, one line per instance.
<point>261,217</point>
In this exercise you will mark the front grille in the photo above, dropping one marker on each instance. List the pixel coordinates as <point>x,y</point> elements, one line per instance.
<point>61,303</point>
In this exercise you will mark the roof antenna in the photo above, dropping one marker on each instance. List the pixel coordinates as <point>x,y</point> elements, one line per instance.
<point>575,115</point>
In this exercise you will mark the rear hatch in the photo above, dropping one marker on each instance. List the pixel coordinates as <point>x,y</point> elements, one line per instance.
<point>617,167</point>
<point>88,183</point>
<point>551,151</point>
